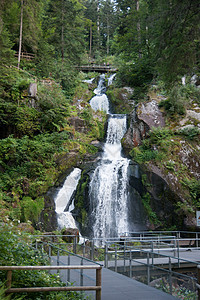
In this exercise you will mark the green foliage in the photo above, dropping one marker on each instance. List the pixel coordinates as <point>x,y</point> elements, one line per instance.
<point>159,139</point>
<point>31,209</point>
<point>179,292</point>
<point>179,99</point>
<point>135,74</point>
<point>194,187</point>
<point>146,201</point>
<point>53,107</point>
<point>16,250</point>
<point>157,135</point>
<point>190,132</point>
<point>28,169</point>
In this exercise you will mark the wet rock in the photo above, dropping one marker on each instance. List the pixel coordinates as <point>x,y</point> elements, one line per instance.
<point>48,218</point>
<point>150,114</point>
<point>68,235</point>
<point>144,117</point>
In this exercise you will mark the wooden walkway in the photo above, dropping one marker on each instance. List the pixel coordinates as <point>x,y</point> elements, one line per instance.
<point>96,68</point>
<point>114,285</point>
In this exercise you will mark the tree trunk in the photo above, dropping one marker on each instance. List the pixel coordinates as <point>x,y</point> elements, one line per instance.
<point>98,25</point>
<point>20,35</point>
<point>62,35</point>
<point>139,30</point>
<point>108,35</point>
<point>90,40</point>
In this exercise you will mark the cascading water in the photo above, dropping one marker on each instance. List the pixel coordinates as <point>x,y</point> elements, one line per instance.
<point>111,78</point>
<point>63,199</point>
<point>108,186</point>
<point>100,101</point>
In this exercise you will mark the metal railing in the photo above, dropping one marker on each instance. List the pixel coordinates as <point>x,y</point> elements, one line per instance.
<point>64,257</point>
<point>96,288</point>
<point>132,260</point>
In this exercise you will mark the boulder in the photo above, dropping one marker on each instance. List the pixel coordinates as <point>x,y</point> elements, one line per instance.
<point>68,235</point>
<point>78,124</point>
<point>144,117</point>
<point>32,90</point>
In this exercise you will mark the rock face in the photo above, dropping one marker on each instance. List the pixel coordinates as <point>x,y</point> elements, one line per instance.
<point>143,118</point>
<point>162,199</point>
<point>48,218</point>
<point>169,200</point>
<point>69,234</point>
<point>79,124</point>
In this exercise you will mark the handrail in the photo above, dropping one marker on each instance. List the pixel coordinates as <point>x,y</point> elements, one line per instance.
<point>198,281</point>
<point>96,288</point>
<point>150,260</point>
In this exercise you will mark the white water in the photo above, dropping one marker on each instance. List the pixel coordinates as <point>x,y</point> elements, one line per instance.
<point>65,218</point>
<point>100,101</point>
<point>108,186</point>
<point>111,78</point>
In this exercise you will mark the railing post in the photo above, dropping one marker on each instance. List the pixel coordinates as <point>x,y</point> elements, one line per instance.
<point>115,258</point>
<point>170,276</point>
<point>84,248</point>
<point>81,273</point>
<point>9,279</point>
<point>49,250</point>
<point>130,264</point>
<point>98,283</point>
<point>106,255</point>
<point>68,271</point>
<point>74,243</point>
<point>148,269</point>
<point>178,253</point>
<point>197,244</point>
<point>174,247</point>
<point>81,278</point>
<point>58,259</point>
<point>152,254</point>
<point>92,250</point>
<point>124,255</point>
<point>198,280</point>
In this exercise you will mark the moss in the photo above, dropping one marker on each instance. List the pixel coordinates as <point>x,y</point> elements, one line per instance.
<point>146,201</point>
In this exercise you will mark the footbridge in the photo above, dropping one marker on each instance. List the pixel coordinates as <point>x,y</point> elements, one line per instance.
<point>167,260</point>
<point>97,68</point>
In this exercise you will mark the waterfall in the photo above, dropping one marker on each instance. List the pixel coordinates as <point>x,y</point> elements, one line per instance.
<point>111,78</point>
<point>108,186</point>
<point>100,101</point>
<point>63,200</point>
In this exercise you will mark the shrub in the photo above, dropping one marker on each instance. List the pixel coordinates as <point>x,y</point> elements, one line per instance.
<point>190,132</point>
<point>16,250</point>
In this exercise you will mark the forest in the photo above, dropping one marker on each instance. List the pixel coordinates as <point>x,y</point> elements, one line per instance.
<point>154,45</point>
<point>151,43</point>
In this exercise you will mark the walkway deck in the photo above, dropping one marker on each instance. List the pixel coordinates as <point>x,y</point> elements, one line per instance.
<point>192,256</point>
<point>114,286</point>
<point>96,68</point>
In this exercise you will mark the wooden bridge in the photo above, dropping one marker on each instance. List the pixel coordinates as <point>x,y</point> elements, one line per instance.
<point>25,55</point>
<point>97,68</point>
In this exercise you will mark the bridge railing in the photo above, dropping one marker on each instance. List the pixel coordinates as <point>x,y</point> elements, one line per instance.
<point>95,249</point>
<point>151,265</point>
<point>60,256</point>
<point>96,288</point>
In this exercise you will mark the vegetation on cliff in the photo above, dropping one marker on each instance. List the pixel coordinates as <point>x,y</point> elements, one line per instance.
<point>43,136</point>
